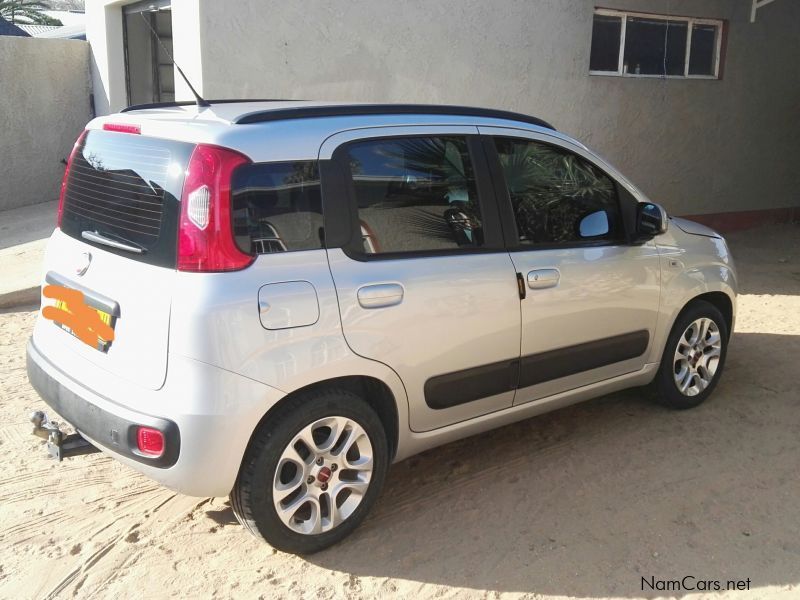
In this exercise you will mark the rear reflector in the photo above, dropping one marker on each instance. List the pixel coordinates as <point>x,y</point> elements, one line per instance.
<point>150,441</point>
<point>122,128</point>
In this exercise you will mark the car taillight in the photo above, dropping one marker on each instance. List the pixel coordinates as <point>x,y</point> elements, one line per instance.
<point>78,142</point>
<point>205,237</point>
<point>150,441</point>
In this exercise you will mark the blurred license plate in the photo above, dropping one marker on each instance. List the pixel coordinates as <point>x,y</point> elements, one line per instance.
<point>106,318</point>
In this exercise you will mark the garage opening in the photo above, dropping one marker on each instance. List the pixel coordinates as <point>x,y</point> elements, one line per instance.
<point>149,71</point>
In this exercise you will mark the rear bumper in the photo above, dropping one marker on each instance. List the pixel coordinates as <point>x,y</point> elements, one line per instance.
<point>207,416</point>
<point>110,430</point>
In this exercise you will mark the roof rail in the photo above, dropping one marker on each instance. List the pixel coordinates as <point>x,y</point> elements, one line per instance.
<point>309,112</point>
<point>194,102</point>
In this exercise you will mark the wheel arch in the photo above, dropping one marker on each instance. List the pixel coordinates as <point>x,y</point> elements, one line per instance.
<point>376,393</point>
<point>720,300</point>
<point>715,284</point>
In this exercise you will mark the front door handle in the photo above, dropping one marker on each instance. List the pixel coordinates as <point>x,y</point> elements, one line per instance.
<point>380,295</point>
<point>543,278</point>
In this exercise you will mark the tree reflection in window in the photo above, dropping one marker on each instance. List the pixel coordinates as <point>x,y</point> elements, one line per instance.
<point>551,190</point>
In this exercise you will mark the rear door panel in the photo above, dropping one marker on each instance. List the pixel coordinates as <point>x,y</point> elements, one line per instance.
<point>447,324</point>
<point>458,315</point>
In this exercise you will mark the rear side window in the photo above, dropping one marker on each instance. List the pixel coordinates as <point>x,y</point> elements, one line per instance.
<point>277,207</point>
<point>558,197</point>
<point>415,194</point>
<point>127,187</point>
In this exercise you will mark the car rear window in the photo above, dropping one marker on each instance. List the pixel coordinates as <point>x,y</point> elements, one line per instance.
<point>127,187</point>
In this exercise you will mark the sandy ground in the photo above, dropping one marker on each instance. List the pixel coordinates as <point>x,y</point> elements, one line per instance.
<point>582,502</point>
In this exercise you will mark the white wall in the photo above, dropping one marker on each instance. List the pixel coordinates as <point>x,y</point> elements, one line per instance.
<point>44,105</point>
<point>187,36</point>
<point>104,33</point>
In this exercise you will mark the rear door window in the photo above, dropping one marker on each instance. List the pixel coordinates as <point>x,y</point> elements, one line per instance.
<point>127,187</point>
<point>415,194</point>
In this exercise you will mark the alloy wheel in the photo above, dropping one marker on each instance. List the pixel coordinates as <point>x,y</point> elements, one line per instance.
<point>323,475</point>
<point>697,356</point>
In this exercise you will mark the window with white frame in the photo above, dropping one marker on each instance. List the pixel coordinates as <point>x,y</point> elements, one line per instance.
<point>642,45</point>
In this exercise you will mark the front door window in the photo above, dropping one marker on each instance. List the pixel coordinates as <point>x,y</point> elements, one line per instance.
<point>558,198</point>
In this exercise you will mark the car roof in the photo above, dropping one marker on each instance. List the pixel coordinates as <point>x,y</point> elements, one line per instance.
<point>257,111</point>
<point>280,130</point>
<point>295,130</point>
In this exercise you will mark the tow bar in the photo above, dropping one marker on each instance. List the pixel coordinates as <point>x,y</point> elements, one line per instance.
<point>59,446</point>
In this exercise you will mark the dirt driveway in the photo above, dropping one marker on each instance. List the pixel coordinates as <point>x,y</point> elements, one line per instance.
<point>583,502</point>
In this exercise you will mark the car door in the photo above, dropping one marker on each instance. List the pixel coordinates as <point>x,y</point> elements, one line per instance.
<point>591,294</point>
<point>423,280</point>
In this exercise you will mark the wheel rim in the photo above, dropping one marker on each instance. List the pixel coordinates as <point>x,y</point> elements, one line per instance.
<point>322,475</point>
<point>697,356</point>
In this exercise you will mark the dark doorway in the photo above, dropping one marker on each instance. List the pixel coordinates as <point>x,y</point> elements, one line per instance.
<point>149,70</point>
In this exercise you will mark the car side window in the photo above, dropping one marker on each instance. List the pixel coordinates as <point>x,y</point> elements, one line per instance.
<point>558,197</point>
<point>415,194</point>
<point>277,207</point>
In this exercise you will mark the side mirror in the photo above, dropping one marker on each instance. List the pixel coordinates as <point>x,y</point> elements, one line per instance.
<point>593,225</point>
<point>651,220</point>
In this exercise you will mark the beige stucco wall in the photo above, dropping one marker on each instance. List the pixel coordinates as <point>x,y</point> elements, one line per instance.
<point>44,105</point>
<point>697,146</point>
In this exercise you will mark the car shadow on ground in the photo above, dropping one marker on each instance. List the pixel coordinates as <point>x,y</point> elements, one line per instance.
<point>589,500</point>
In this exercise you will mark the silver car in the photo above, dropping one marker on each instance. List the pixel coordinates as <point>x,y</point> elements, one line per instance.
<point>276,300</point>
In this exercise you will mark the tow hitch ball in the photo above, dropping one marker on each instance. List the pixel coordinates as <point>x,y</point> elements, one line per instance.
<point>59,446</point>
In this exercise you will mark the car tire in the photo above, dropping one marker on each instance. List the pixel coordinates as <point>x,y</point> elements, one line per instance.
<point>320,448</point>
<point>693,358</point>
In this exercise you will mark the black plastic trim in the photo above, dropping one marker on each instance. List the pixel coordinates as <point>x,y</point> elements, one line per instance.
<point>109,430</point>
<point>91,297</point>
<point>468,385</point>
<point>628,206</point>
<point>509,223</point>
<point>563,362</point>
<point>314,111</point>
<point>460,387</point>
<point>337,211</point>
<point>193,102</point>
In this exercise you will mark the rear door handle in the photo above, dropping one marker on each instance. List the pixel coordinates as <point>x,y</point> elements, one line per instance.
<point>380,295</point>
<point>543,278</point>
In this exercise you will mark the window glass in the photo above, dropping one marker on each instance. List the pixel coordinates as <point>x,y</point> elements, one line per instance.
<point>556,195</point>
<point>606,33</point>
<point>277,207</point>
<point>415,194</point>
<point>655,46</point>
<point>702,55</point>
<point>127,187</point>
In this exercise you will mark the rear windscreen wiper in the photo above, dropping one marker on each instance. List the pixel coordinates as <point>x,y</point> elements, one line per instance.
<point>127,245</point>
